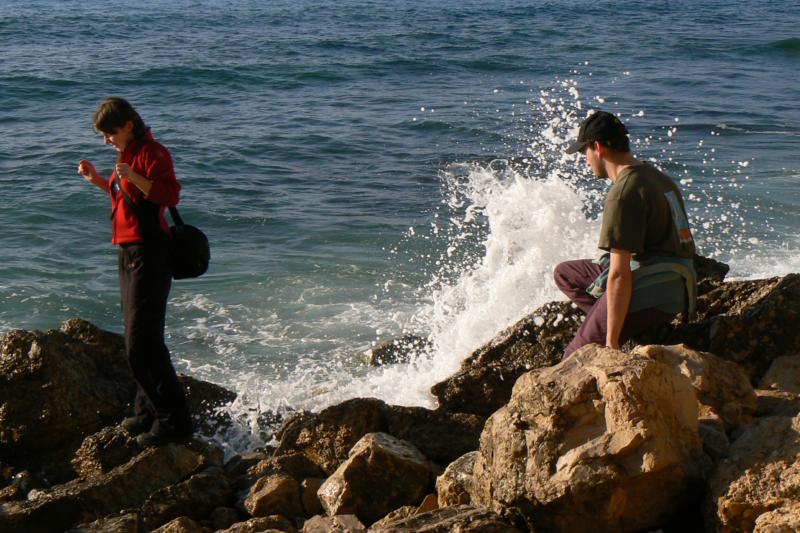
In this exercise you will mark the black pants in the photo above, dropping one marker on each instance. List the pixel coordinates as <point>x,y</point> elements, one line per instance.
<point>145,277</point>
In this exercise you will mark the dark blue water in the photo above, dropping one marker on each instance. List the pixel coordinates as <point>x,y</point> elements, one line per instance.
<point>332,151</point>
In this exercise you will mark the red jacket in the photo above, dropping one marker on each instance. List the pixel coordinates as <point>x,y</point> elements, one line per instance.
<point>150,159</point>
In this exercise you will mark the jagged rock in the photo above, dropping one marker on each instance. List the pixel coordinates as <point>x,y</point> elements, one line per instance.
<point>400,350</point>
<point>295,465</point>
<point>429,503</point>
<point>57,387</point>
<point>124,487</point>
<point>382,473</point>
<point>327,437</point>
<point>261,525</point>
<point>182,524</point>
<point>309,488</point>
<point>454,485</point>
<point>719,384</point>
<point>238,465</point>
<point>274,494</point>
<point>486,377</point>
<point>127,523</point>
<point>760,475</point>
<point>206,402</point>
<point>193,498</point>
<point>103,451</point>
<point>459,518</point>
<point>748,322</point>
<point>715,439</point>
<point>783,375</point>
<point>398,514</point>
<point>223,518</point>
<point>785,519</point>
<point>588,444</point>
<point>710,273</point>
<point>334,524</point>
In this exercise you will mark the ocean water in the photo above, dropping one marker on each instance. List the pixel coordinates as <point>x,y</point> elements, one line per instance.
<point>367,169</point>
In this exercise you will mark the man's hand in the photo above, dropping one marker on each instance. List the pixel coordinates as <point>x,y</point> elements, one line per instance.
<point>618,294</point>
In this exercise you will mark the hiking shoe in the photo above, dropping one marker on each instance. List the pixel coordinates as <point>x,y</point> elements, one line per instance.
<point>160,438</point>
<point>136,425</point>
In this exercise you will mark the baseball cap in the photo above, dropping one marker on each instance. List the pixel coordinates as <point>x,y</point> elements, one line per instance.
<point>600,126</point>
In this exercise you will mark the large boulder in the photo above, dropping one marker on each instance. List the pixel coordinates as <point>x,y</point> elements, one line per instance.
<point>327,437</point>
<point>604,441</point>
<point>382,473</point>
<point>274,494</point>
<point>459,518</point>
<point>334,524</point>
<point>194,498</point>
<point>721,386</point>
<point>759,481</point>
<point>453,486</point>
<point>127,486</point>
<point>103,451</point>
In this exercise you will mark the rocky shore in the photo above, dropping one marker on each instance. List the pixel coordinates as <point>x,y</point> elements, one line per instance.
<point>694,427</point>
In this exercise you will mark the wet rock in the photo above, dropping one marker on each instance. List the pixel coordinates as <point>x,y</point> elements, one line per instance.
<point>453,486</point>
<point>588,444</point>
<point>487,376</point>
<point>127,523</point>
<point>748,322</point>
<point>207,403</point>
<point>382,473</point>
<point>327,437</point>
<point>103,451</point>
<point>193,498</point>
<point>57,387</point>
<point>400,350</point>
<point>760,475</point>
<point>275,494</point>
<point>182,525</point>
<point>124,487</point>
<point>238,465</point>
<point>719,384</point>
<point>459,518</point>
<point>334,524</point>
<point>309,488</point>
<point>262,524</point>
<point>710,273</point>
<point>223,518</point>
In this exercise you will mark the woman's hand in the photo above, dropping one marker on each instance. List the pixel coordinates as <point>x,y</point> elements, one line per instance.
<point>124,171</point>
<point>87,170</point>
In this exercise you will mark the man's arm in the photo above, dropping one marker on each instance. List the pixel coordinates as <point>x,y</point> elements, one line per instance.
<point>618,294</point>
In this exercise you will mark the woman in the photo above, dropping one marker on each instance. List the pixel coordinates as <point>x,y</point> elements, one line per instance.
<point>142,185</point>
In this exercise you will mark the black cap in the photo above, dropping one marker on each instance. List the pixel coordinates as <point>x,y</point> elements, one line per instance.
<point>600,126</point>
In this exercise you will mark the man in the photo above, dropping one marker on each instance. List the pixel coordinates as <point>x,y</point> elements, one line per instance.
<point>647,276</point>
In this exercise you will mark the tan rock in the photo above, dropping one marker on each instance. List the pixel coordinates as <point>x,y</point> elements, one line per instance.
<point>453,486</point>
<point>785,519</point>
<point>182,525</point>
<point>761,475</point>
<point>719,384</point>
<point>262,524</point>
<point>334,524</point>
<point>194,498</point>
<point>783,375</point>
<point>429,503</point>
<point>777,403</point>
<point>311,503</point>
<point>381,474</point>
<point>398,514</point>
<point>101,452</point>
<point>454,519</point>
<point>588,444</point>
<point>276,494</point>
<point>127,523</point>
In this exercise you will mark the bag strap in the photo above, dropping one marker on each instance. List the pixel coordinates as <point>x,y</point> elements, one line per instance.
<point>173,211</point>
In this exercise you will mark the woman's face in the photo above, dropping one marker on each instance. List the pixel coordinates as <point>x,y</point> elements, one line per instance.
<point>120,138</point>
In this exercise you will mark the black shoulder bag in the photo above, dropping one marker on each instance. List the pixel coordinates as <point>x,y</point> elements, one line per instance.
<point>190,251</point>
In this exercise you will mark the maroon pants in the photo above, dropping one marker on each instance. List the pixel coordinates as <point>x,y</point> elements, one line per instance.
<point>573,278</point>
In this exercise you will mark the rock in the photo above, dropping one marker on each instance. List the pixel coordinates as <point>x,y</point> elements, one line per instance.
<point>453,486</point>
<point>393,351</point>
<point>398,514</point>
<point>760,475</point>
<point>275,494</point>
<point>309,488</point>
<point>262,524</point>
<point>193,498</point>
<point>57,387</point>
<point>777,403</point>
<point>429,503</point>
<point>486,377</point>
<point>588,444</point>
<point>127,523</point>
<point>785,519</point>
<point>382,473</point>
<point>710,273</point>
<point>238,465</point>
<point>207,403</point>
<point>715,439</point>
<point>295,465</point>
<point>334,524</point>
<point>223,518</point>
<point>459,518</point>
<point>327,437</point>
<point>748,322</point>
<point>103,451</point>
<point>719,384</point>
<point>124,487</point>
<point>783,375</point>
<point>182,525</point>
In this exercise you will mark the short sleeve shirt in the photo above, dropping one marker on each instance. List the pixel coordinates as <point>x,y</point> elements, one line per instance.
<point>644,214</point>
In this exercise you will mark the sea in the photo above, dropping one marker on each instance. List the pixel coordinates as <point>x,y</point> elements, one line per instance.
<point>369,169</point>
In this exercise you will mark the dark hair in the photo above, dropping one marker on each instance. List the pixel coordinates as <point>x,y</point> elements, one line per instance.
<point>619,143</point>
<point>113,113</point>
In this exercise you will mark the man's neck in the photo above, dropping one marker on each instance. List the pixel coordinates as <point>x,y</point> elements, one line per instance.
<point>616,165</point>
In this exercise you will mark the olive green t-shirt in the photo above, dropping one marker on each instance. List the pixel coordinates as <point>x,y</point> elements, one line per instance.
<point>644,214</point>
